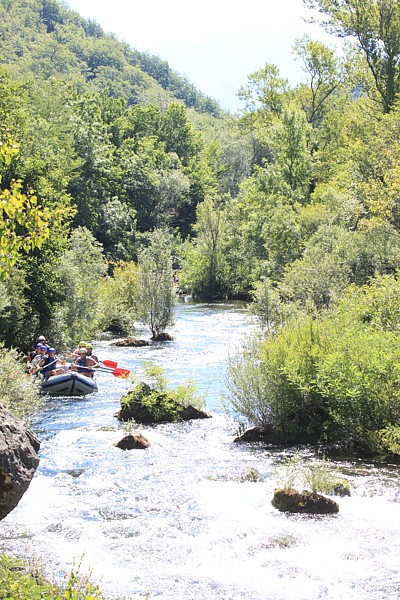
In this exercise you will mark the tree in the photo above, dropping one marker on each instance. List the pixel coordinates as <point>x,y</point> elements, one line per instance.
<point>376,26</point>
<point>81,270</point>
<point>324,72</point>
<point>205,267</point>
<point>156,294</point>
<point>24,224</point>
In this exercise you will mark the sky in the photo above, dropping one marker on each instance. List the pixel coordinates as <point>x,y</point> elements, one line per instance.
<point>216,44</point>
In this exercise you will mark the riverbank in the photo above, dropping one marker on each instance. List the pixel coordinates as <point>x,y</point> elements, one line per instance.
<point>26,581</point>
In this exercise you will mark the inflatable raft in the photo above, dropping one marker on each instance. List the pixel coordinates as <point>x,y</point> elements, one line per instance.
<point>69,384</point>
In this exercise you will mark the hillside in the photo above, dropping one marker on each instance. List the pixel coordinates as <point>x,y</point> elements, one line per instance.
<point>45,38</point>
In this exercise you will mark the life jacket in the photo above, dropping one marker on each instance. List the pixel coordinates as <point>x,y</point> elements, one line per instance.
<point>49,363</point>
<point>81,366</point>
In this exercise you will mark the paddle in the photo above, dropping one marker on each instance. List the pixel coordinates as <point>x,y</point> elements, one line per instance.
<point>109,363</point>
<point>121,373</point>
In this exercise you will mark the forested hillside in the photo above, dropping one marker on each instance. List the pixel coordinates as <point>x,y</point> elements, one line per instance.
<point>46,39</point>
<point>110,162</point>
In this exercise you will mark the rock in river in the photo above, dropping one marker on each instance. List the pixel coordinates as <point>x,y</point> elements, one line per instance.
<point>303,502</point>
<point>133,441</point>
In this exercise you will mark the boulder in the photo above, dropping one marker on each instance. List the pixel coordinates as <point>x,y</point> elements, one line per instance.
<point>267,436</point>
<point>250,475</point>
<point>303,502</point>
<point>133,441</point>
<point>130,342</point>
<point>163,337</point>
<point>147,406</point>
<point>341,488</point>
<point>255,434</point>
<point>18,460</point>
<point>190,412</point>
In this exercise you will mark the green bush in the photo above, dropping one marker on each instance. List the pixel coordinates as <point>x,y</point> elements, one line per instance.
<point>22,581</point>
<point>317,477</point>
<point>334,378</point>
<point>18,390</point>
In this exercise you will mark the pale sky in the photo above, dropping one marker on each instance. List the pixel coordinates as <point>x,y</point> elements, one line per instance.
<point>215,43</point>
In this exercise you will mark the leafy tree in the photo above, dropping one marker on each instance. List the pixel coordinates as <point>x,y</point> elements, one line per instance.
<point>118,296</point>
<point>325,76</point>
<point>376,25</point>
<point>205,266</point>
<point>81,270</point>
<point>156,294</point>
<point>333,378</point>
<point>24,224</point>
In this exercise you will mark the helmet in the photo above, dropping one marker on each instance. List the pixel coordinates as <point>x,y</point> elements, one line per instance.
<point>51,350</point>
<point>39,345</point>
<point>82,344</point>
<point>82,350</point>
<point>89,346</point>
<point>41,338</point>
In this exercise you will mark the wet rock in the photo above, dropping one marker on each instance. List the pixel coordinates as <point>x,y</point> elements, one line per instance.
<point>18,460</point>
<point>341,488</point>
<point>256,434</point>
<point>130,342</point>
<point>267,436</point>
<point>133,441</point>
<point>75,472</point>
<point>303,502</point>
<point>250,475</point>
<point>116,328</point>
<point>163,337</point>
<point>190,412</point>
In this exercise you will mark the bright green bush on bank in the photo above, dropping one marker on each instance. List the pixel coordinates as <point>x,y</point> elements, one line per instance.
<point>335,378</point>
<point>20,581</point>
<point>18,391</point>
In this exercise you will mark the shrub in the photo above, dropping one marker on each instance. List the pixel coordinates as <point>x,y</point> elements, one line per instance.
<point>22,581</point>
<point>118,298</point>
<point>156,294</point>
<point>18,390</point>
<point>318,476</point>
<point>334,378</point>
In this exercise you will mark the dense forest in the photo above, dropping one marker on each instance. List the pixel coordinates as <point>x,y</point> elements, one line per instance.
<point>113,167</point>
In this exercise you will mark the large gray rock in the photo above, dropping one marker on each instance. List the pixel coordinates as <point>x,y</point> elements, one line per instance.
<point>18,460</point>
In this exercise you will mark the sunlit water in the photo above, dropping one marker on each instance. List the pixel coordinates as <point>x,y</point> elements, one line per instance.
<point>175,521</point>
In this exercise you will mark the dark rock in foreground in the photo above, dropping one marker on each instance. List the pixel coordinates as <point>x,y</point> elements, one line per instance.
<point>133,441</point>
<point>130,342</point>
<point>303,502</point>
<point>147,406</point>
<point>18,460</point>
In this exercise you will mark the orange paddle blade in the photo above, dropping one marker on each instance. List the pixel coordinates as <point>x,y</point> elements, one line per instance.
<point>110,363</point>
<point>121,373</point>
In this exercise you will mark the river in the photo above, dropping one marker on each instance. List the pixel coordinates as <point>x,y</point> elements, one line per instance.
<point>175,521</point>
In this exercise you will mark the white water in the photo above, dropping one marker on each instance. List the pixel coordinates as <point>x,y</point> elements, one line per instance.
<point>174,521</point>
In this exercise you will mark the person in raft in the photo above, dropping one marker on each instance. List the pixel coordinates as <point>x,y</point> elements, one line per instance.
<point>48,364</point>
<point>89,352</point>
<point>41,342</point>
<point>75,353</point>
<point>85,364</point>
